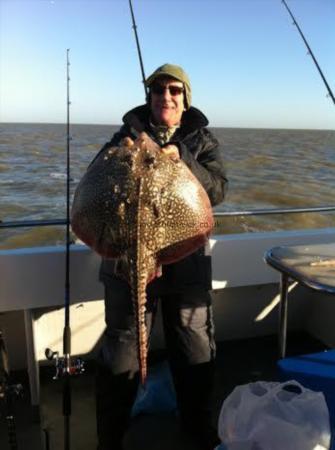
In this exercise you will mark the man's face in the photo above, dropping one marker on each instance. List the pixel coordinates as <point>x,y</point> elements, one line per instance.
<point>167,101</point>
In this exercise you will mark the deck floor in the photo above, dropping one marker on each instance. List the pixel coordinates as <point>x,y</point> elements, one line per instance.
<point>238,362</point>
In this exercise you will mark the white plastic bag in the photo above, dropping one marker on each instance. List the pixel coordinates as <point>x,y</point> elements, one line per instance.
<point>274,416</point>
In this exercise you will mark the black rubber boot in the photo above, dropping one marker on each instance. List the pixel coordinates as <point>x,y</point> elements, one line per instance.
<point>115,395</point>
<point>194,389</point>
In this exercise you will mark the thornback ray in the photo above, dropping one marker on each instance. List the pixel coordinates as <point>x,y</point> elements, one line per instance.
<point>136,203</point>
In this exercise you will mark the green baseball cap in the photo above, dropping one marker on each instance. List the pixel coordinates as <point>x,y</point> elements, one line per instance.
<point>176,72</point>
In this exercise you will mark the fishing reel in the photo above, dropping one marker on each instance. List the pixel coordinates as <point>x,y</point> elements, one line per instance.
<point>11,390</point>
<point>64,366</point>
<point>7,390</point>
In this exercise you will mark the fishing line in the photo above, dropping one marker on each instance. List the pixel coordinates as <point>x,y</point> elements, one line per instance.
<point>330,93</point>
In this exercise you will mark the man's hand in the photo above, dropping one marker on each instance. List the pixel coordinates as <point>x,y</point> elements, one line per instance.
<point>171,151</point>
<point>127,142</point>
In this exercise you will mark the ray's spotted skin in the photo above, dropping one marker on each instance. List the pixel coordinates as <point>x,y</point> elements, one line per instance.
<point>137,203</point>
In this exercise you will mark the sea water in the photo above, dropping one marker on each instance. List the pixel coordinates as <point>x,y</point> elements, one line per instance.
<point>266,168</point>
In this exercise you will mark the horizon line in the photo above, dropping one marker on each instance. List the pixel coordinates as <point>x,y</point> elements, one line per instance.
<point>211,126</point>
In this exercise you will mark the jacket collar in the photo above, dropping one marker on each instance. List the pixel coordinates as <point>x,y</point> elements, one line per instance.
<point>191,120</point>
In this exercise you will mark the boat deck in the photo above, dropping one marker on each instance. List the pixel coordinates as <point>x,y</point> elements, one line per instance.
<point>238,362</point>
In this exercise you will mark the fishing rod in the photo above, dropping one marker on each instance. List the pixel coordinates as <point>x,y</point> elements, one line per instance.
<point>64,367</point>
<point>67,328</point>
<point>7,394</point>
<point>330,93</point>
<point>138,48</point>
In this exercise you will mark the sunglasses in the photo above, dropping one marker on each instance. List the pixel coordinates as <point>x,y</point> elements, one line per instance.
<point>159,89</point>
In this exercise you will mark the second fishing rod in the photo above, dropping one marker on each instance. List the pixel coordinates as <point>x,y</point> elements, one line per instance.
<point>64,366</point>
<point>310,52</point>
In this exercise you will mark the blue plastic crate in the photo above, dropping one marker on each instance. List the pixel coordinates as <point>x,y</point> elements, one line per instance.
<point>315,371</point>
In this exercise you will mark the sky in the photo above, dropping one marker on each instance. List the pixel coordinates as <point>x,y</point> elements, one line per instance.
<point>247,63</point>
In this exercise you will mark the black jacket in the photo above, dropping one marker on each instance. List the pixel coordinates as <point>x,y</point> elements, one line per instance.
<point>200,150</point>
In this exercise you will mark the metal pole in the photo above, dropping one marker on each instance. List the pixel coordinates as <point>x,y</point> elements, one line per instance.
<point>270,211</point>
<point>247,212</point>
<point>283,314</point>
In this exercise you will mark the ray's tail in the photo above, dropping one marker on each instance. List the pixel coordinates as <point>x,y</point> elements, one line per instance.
<point>142,335</point>
<point>139,279</point>
<point>138,293</point>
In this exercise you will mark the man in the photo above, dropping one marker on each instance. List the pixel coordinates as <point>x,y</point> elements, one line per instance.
<point>183,288</point>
